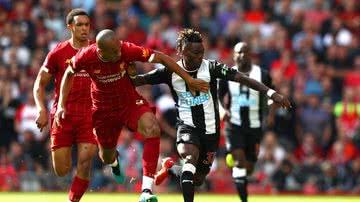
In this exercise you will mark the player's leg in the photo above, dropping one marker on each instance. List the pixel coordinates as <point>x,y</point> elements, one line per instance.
<point>86,152</point>
<point>235,139</point>
<point>107,133</point>
<point>209,147</point>
<point>188,147</point>
<point>142,119</point>
<point>61,148</point>
<point>62,160</point>
<point>190,155</point>
<point>253,142</point>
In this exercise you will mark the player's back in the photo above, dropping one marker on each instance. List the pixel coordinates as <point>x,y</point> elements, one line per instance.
<point>79,102</point>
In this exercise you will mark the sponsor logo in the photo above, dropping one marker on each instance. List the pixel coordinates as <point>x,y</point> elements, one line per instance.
<point>187,100</point>
<point>242,101</point>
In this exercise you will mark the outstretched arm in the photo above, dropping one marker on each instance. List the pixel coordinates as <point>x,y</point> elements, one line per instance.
<point>252,83</point>
<point>66,84</point>
<point>43,79</point>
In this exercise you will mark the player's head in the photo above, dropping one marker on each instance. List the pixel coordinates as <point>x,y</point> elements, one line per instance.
<point>242,54</point>
<point>108,45</point>
<point>78,22</point>
<point>189,46</point>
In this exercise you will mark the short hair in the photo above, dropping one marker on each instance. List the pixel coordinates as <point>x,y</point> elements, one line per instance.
<point>187,36</point>
<point>75,12</point>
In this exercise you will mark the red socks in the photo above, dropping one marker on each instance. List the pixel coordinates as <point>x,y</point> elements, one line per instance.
<point>78,188</point>
<point>150,156</point>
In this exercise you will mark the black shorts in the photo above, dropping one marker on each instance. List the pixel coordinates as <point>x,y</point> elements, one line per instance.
<point>244,138</point>
<point>207,144</point>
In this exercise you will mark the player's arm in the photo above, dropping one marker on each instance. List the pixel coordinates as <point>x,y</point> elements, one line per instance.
<point>224,72</point>
<point>42,80</point>
<point>272,94</point>
<point>153,77</point>
<point>65,87</point>
<point>194,84</point>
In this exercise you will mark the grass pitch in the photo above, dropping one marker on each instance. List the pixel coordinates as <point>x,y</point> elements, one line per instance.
<point>114,197</point>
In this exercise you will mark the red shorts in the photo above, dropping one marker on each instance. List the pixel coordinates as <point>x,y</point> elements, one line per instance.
<point>108,124</point>
<point>74,130</point>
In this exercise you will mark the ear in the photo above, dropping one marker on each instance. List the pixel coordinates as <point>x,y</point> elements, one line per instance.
<point>99,51</point>
<point>69,27</point>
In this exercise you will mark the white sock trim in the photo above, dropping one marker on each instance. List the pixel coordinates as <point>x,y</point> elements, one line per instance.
<point>147,183</point>
<point>238,172</point>
<point>189,167</point>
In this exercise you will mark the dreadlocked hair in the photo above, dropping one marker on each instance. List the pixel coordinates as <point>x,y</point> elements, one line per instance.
<point>187,36</point>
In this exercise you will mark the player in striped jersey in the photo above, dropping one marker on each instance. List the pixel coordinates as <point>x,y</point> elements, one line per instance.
<point>198,114</point>
<point>245,108</point>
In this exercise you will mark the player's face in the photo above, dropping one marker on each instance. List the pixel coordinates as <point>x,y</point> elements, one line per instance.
<point>243,56</point>
<point>80,27</point>
<point>112,52</point>
<point>193,54</point>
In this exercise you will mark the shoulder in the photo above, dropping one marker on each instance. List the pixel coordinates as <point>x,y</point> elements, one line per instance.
<point>61,47</point>
<point>87,52</point>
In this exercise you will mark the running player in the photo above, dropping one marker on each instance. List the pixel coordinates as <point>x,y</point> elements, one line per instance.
<point>198,129</point>
<point>243,131</point>
<point>77,129</point>
<point>116,102</point>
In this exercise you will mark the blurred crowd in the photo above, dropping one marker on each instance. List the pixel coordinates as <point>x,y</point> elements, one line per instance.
<point>310,47</point>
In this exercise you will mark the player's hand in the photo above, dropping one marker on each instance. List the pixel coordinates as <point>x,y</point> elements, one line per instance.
<point>281,100</point>
<point>198,85</point>
<point>59,116</point>
<point>131,70</point>
<point>41,120</point>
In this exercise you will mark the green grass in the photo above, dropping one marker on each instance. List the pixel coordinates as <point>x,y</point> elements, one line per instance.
<point>112,197</point>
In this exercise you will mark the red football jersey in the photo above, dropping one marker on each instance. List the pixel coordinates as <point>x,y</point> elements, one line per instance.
<point>111,86</point>
<point>79,100</point>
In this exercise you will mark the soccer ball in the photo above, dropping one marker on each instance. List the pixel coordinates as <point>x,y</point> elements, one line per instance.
<point>229,160</point>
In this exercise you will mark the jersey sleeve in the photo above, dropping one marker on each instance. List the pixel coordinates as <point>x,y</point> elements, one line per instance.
<point>157,76</point>
<point>223,90</point>
<point>222,71</point>
<point>132,52</point>
<point>50,63</point>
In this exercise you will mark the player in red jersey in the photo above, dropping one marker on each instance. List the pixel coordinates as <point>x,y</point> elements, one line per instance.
<point>77,128</point>
<point>116,102</point>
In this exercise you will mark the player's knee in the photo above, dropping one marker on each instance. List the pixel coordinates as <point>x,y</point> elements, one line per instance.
<point>61,171</point>
<point>152,131</point>
<point>83,168</point>
<point>190,158</point>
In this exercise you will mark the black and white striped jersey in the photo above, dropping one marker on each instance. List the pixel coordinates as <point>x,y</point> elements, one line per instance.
<point>246,105</point>
<point>200,111</point>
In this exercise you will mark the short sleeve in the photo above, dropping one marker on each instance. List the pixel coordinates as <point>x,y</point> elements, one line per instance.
<point>50,63</point>
<point>131,52</point>
<point>157,76</point>
<point>222,71</point>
